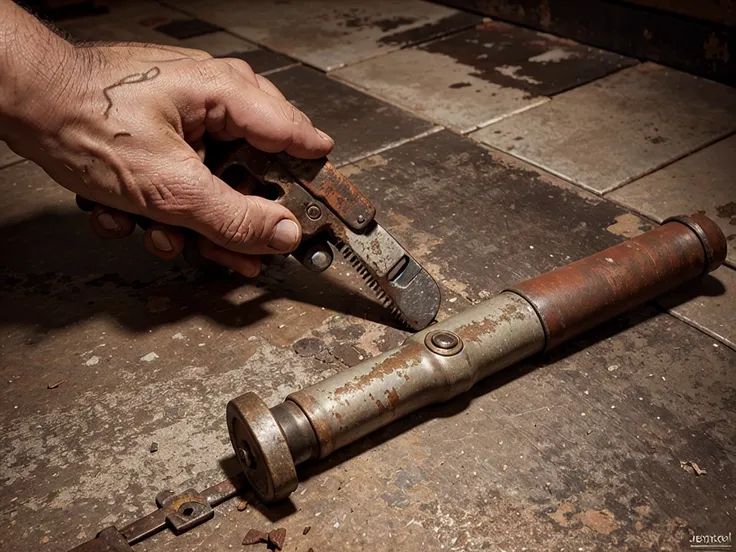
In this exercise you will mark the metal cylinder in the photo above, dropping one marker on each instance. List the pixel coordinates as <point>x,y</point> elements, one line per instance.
<point>450,357</point>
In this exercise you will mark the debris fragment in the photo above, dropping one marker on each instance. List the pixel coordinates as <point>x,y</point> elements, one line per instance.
<point>242,505</point>
<point>306,529</point>
<point>697,470</point>
<point>92,361</point>
<point>154,447</point>
<point>149,357</point>
<point>613,367</point>
<point>254,536</point>
<point>57,384</point>
<point>277,537</point>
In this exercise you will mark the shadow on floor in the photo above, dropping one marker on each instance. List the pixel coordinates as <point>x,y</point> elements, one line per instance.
<point>55,272</point>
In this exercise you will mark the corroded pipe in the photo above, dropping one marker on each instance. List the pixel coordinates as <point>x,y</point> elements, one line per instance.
<point>448,358</point>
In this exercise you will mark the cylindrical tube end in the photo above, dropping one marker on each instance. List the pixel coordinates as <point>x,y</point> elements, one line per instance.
<point>581,295</point>
<point>261,448</point>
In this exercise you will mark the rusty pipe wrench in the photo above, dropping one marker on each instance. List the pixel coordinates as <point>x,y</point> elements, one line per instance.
<point>331,210</point>
<point>449,358</point>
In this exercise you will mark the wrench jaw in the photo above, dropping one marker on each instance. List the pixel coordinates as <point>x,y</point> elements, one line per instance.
<point>261,448</point>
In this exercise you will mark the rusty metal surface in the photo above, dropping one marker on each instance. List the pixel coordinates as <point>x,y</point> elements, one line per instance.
<point>448,359</point>
<point>325,182</point>
<point>346,220</point>
<point>179,511</point>
<point>702,181</point>
<point>581,295</point>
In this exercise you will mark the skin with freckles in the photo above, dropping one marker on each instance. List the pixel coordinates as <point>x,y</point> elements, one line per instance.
<point>121,125</point>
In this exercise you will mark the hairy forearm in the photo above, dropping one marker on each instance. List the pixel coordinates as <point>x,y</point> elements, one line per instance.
<point>31,62</point>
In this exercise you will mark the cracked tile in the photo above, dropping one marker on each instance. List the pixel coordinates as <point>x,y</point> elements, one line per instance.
<point>609,132</point>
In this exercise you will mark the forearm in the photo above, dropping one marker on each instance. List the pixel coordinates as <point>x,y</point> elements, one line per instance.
<point>31,59</point>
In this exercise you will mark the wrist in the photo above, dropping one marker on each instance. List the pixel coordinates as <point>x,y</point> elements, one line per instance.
<point>35,75</point>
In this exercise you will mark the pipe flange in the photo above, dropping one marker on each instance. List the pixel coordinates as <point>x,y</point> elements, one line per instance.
<point>710,235</point>
<point>443,342</point>
<point>261,448</point>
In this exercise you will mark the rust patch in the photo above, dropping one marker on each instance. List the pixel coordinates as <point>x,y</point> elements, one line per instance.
<point>379,405</point>
<point>563,514</point>
<point>600,521</point>
<point>393,397</point>
<point>474,331</point>
<point>317,417</point>
<point>391,364</point>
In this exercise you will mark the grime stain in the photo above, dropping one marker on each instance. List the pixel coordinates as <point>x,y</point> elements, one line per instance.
<point>728,211</point>
<point>626,225</point>
<point>427,31</point>
<point>656,139</point>
<point>460,85</point>
<point>563,514</point>
<point>600,521</point>
<point>716,50</point>
<point>384,25</point>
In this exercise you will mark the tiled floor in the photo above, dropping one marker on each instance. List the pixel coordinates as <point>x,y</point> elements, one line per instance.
<point>581,449</point>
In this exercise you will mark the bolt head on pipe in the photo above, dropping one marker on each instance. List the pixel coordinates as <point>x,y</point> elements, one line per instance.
<point>443,342</point>
<point>261,448</point>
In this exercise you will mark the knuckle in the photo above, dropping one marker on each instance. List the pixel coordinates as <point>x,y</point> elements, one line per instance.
<point>243,227</point>
<point>178,194</point>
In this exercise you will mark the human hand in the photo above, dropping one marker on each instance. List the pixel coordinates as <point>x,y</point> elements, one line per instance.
<point>122,126</point>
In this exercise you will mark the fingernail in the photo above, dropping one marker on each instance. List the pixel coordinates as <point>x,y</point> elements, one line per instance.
<point>160,241</point>
<point>325,136</point>
<point>107,221</point>
<point>285,236</point>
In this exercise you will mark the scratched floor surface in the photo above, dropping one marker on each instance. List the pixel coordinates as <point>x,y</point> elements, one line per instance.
<point>581,450</point>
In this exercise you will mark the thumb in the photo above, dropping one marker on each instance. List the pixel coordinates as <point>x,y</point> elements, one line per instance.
<point>245,224</point>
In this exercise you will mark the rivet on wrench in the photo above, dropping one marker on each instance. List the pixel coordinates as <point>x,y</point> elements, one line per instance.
<point>314,212</point>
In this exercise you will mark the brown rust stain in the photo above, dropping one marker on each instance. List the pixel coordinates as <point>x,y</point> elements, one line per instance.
<point>562,515</point>
<point>600,521</point>
<point>476,330</point>
<point>393,397</point>
<point>390,365</point>
<point>379,405</point>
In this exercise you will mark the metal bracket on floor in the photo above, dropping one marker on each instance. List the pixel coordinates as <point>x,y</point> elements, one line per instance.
<point>180,512</point>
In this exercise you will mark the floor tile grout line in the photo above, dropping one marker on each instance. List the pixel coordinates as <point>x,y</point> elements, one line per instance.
<point>373,95</point>
<point>391,146</point>
<point>700,327</point>
<point>586,83</point>
<point>543,100</point>
<point>280,69</point>
<point>669,162</point>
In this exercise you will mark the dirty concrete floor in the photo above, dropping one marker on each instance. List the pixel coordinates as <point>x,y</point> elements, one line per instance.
<point>578,149</point>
